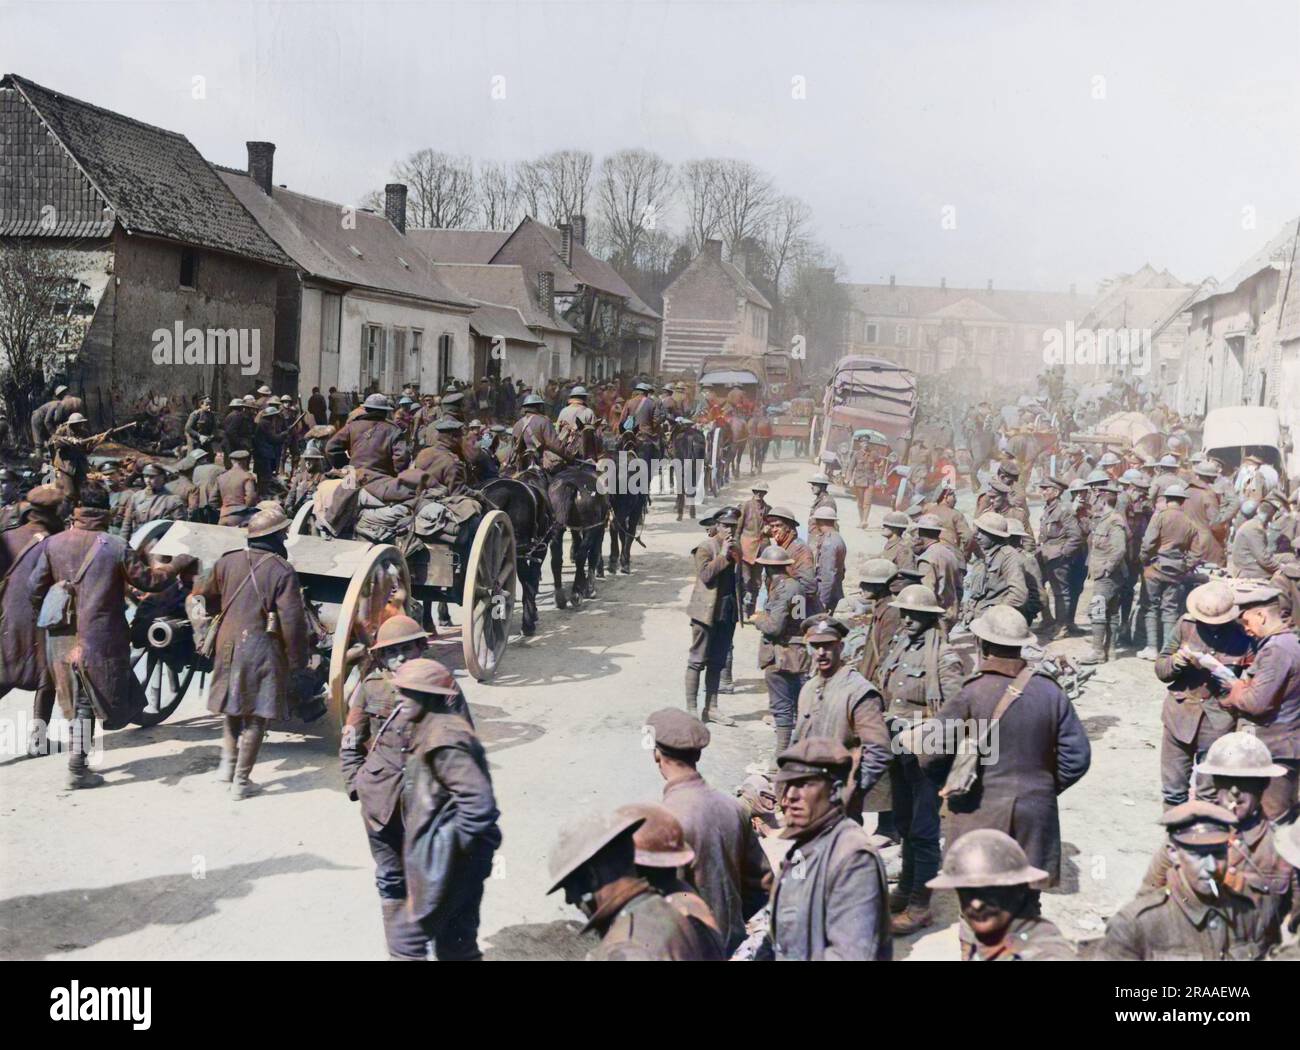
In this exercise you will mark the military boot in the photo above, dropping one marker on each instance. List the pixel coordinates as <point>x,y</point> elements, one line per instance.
<point>915,917</point>
<point>250,742</point>
<point>783,734</point>
<point>724,682</point>
<point>1097,655</point>
<point>710,713</point>
<point>902,891</point>
<point>692,688</point>
<point>81,733</point>
<point>229,749</point>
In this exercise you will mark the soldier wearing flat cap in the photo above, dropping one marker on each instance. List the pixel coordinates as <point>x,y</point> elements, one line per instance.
<point>956,531</point>
<point>1195,915</point>
<point>753,537</point>
<point>728,868</point>
<point>1108,543</point>
<point>443,461</point>
<point>829,898</point>
<point>154,503</point>
<point>714,610</point>
<point>897,548</point>
<point>1268,698</point>
<point>920,673</point>
<point>837,703</point>
<point>594,862</point>
<point>233,496</point>
<point>999,919</point>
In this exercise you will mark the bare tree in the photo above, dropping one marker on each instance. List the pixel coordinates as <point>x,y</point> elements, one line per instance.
<point>565,177</point>
<point>632,193</point>
<point>786,237</point>
<point>699,183</point>
<point>498,195</point>
<point>440,189</point>
<point>36,286</point>
<point>529,179</point>
<point>746,198</point>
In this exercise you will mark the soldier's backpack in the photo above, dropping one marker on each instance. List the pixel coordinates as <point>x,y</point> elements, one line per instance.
<point>59,607</point>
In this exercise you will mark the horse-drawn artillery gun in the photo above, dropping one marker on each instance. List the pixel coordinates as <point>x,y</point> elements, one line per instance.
<point>350,586</point>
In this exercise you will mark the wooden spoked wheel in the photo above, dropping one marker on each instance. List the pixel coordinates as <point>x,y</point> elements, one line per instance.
<point>488,601</point>
<point>368,601</point>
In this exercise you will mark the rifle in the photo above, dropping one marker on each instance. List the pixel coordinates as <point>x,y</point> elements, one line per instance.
<point>99,438</point>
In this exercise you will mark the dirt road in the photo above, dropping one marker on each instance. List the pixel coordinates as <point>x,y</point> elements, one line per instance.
<point>160,864</point>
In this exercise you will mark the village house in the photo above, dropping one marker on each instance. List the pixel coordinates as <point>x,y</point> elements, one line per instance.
<point>363,309</point>
<point>158,247</point>
<point>515,336</point>
<point>1139,325</point>
<point>712,308</point>
<point>986,333</point>
<point>1243,346</point>
<point>615,332</point>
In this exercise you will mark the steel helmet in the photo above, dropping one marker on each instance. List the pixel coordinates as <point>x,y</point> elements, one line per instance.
<point>267,521</point>
<point>1108,459</point>
<point>1097,477</point>
<point>878,571</point>
<point>533,401</point>
<point>377,403</point>
<point>398,630</point>
<point>579,391</point>
<point>1002,625</point>
<point>896,519</point>
<point>660,841</point>
<point>929,523</point>
<point>1176,491</point>
<point>917,598</point>
<point>992,523</point>
<point>985,857</point>
<point>76,417</point>
<point>1239,755</point>
<point>425,676</point>
<point>582,839</point>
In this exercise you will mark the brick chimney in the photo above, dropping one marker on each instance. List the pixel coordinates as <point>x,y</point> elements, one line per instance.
<point>713,249</point>
<point>943,283</point>
<point>579,228</point>
<point>566,243</point>
<point>395,205</point>
<point>546,291</point>
<point>261,164</point>
<point>989,287</point>
<point>741,263</point>
<point>891,280</point>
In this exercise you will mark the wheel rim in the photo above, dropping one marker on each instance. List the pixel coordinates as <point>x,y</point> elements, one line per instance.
<point>362,611</point>
<point>165,678</point>
<point>488,599</point>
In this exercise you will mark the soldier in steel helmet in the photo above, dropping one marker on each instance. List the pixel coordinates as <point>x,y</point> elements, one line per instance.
<point>1239,768</point>
<point>1196,915</point>
<point>594,862</point>
<point>876,590</point>
<point>820,484</point>
<point>375,740</point>
<point>1059,540</point>
<point>372,444</point>
<point>921,672</point>
<point>1192,716</point>
<point>716,606</point>
<point>897,548</point>
<point>999,576</point>
<point>782,656</point>
<point>829,554</point>
<point>1171,547</point>
<point>1037,750</point>
<point>448,813</point>
<point>262,642</point>
<point>999,918</point>
<point>829,900</point>
<point>942,570</point>
<point>752,535</point>
<point>662,853</point>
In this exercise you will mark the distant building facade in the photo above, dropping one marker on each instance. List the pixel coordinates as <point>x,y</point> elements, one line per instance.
<point>712,308</point>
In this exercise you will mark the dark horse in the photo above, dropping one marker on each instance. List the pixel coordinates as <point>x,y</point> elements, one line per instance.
<point>542,508</point>
<point>688,463</point>
<point>626,469</point>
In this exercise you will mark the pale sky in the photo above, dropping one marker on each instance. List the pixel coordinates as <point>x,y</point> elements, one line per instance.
<point>990,108</point>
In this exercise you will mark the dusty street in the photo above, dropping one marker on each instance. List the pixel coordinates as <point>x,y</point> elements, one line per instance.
<point>160,864</point>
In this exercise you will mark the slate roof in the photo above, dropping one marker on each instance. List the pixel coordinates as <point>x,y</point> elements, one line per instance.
<point>745,285</point>
<point>1276,254</point>
<point>371,255</point>
<point>500,284</point>
<point>458,246</point>
<point>155,181</point>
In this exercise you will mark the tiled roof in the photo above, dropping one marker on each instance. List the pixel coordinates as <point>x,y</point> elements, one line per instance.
<point>593,272</point>
<point>500,285</point>
<point>745,286</point>
<point>155,180</point>
<point>1276,254</point>
<point>366,252</point>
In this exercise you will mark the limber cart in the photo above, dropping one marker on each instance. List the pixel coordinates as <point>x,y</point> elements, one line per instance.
<point>352,586</point>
